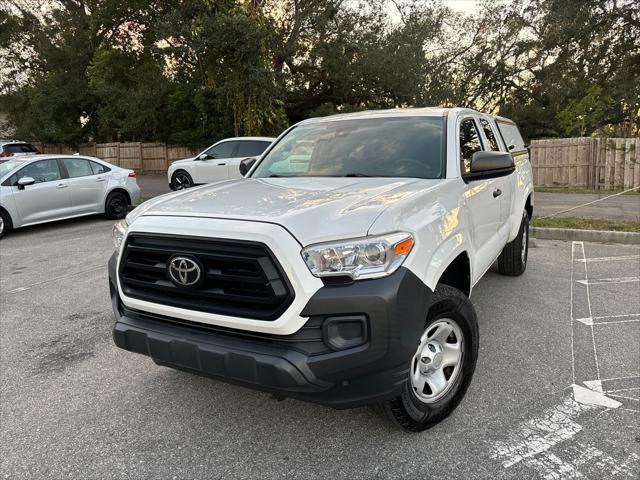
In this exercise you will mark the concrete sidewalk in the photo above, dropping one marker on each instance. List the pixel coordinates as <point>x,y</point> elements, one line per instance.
<point>622,207</point>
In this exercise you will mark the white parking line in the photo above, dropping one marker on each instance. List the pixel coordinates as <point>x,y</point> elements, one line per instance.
<point>617,316</point>
<point>589,321</point>
<point>573,357</point>
<point>601,281</point>
<point>608,259</point>
<point>593,335</point>
<point>622,396</point>
<point>624,389</point>
<point>620,378</point>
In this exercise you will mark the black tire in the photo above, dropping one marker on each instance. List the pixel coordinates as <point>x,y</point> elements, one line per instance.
<point>5,223</point>
<point>116,205</point>
<point>513,259</point>
<point>407,410</point>
<point>181,180</point>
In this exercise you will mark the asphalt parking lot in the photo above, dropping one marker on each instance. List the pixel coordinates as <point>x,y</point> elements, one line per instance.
<point>556,393</point>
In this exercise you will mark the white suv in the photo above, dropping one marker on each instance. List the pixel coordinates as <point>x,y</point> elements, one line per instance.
<point>340,269</point>
<point>220,161</point>
<point>11,148</point>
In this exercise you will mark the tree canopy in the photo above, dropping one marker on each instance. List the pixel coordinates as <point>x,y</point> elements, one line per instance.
<point>194,71</point>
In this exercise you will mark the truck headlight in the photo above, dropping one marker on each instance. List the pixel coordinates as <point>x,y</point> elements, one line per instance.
<point>118,233</point>
<point>368,257</point>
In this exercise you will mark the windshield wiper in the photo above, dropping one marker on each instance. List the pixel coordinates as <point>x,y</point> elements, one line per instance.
<point>356,175</point>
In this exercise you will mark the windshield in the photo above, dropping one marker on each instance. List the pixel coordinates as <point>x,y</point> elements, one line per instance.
<point>372,147</point>
<point>7,165</point>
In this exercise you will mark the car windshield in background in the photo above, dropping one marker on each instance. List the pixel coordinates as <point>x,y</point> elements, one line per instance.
<point>19,148</point>
<point>7,165</point>
<point>372,147</point>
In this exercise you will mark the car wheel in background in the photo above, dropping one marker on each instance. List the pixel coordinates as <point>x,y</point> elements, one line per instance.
<point>443,364</point>
<point>181,180</point>
<point>116,205</point>
<point>5,223</point>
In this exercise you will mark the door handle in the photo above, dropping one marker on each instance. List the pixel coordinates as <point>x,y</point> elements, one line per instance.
<point>99,179</point>
<point>62,185</point>
<point>221,164</point>
<point>497,192</point>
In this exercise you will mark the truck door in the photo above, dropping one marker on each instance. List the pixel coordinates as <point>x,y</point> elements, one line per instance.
<point>483,200</point>
<point>506,184</point>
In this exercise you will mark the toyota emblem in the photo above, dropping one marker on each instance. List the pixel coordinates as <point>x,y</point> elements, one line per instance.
<point>184,271</point>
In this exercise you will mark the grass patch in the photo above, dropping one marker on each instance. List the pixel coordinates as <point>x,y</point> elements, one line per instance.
<point>582,223</point>
<point>559,189</point>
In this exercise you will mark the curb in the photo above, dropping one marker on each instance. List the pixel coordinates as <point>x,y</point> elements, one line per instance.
<point>598,236</point>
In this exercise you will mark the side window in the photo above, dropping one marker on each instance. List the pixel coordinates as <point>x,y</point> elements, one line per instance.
<point>77,167</point>
<point>42,171</point>
<point>469,143</point>
<point>264,146</point>
<point>511,136</point>
<point>98,168</point>
<point>222,150</point>
<point>251,148</point>
<point>491,138</point>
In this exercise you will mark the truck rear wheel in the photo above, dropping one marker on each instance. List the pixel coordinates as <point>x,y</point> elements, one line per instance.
<point>513,259</point>
<point>442,367</point>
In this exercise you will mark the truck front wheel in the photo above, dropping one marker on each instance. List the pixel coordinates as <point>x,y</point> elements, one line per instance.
<point>442,367</point>
<point>513,259</point>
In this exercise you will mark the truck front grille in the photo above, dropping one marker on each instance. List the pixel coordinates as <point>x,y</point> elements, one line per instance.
<point>238,278</point>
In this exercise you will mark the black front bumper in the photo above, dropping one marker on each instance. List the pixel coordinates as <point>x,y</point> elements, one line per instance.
<point>303,365</point>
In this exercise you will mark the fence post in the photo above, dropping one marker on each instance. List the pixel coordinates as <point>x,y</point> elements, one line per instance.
<point>140,156</point>
<point>166,160</point>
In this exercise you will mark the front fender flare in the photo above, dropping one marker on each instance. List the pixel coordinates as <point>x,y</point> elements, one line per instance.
<point>446,252</point>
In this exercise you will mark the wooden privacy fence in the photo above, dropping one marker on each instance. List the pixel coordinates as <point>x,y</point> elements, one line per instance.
<point>149,158</point>
<point>595,163</point>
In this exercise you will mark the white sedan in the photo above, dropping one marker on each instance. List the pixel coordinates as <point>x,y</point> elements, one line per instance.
<point>221,161</point>
<point>42,188</point>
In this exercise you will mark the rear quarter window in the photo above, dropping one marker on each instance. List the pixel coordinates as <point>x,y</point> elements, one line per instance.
<point>251,148</point>
<point>511,136</point>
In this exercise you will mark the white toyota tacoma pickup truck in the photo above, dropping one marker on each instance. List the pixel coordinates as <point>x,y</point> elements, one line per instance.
<point>339,269</point>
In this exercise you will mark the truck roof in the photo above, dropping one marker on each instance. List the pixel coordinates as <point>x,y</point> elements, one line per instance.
<point>400,112</point>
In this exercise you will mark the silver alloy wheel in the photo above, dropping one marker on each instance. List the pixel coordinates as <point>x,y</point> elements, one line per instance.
<point>1,225</point>
<point>438,360</point>
<point>525,241</point>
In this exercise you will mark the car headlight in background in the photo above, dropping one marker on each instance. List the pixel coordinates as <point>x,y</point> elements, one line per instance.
<point>118,233</point>
<point>368,257</point>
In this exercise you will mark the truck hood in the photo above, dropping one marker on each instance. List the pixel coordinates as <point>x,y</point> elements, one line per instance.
<point>311,209</point>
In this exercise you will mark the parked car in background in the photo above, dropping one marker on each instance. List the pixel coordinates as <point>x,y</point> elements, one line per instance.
<point>220,161</point>
<point>42,188</point>
<point>11,148</point>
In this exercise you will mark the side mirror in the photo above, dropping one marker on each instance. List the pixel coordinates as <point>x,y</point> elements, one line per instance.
<point>246,164</point>
<point>25,181</point>
<point>204,156</point>
<point>490,165</point>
